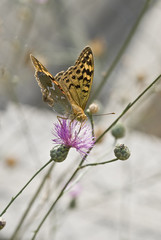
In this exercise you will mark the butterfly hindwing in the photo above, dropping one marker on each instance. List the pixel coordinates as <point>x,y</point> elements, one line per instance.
<point>51,90</point>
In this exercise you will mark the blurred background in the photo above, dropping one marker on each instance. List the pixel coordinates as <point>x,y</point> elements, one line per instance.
<point>56,32</point>
<point>118,201</point>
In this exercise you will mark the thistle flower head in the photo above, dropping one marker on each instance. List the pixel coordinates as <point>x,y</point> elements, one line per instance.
<point>73,134</point>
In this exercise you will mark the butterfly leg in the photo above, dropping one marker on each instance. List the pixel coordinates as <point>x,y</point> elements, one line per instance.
<point>59,119</point>
<point>81,124</point>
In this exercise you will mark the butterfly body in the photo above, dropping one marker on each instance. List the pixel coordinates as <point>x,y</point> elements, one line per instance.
<point>69,90</point>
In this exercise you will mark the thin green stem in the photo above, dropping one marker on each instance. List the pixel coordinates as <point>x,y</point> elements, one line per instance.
<point>32,202</point>
<point>60,194</point>
<point>54,203</point>
<point>122,50</point>
<point>14,198</point>
<point>63,189</point>
<point>98,163</point>
<point>127,108</point>
<point>117,119</point>
<point>65,186</point>
<point>92,123</point>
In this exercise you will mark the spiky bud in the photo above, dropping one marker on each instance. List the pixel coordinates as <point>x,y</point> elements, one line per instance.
<point>59,153</point>
<point>122,152</point>
<point>2,223</point>
<point>118,131</point>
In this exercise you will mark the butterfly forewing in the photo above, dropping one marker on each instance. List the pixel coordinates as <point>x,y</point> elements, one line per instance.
<point>78,79</point>
<point>70,85</point>
<point>85,64</point>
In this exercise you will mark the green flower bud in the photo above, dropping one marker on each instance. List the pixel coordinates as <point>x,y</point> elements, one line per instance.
<point>59,153</point>
<point>2,223</point>
<point>122,152</point>
<point>118,131</point>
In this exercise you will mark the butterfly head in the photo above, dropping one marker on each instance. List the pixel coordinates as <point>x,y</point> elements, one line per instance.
<point>81,117</point>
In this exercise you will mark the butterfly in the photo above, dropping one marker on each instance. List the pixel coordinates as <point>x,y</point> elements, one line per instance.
<point>68,91</point>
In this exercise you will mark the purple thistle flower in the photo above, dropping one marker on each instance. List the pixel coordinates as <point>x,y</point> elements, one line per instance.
<point>73,134</point>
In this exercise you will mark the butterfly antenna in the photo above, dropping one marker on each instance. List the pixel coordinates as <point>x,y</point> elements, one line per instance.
<point>103,114</point>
